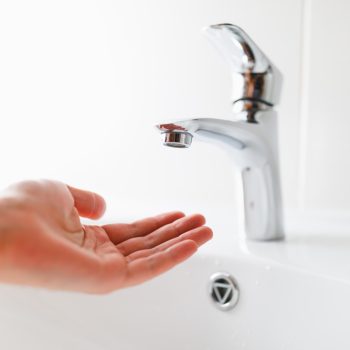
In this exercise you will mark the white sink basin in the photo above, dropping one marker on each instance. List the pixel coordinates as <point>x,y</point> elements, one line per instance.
<point>293,295</point>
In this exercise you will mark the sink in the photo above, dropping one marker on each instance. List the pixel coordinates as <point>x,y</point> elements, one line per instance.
<point>294,294</point>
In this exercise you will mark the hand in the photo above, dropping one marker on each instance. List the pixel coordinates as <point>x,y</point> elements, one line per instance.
<point>43,243</point>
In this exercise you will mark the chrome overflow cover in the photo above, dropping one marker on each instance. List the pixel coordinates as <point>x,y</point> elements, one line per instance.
<point>223,290</point>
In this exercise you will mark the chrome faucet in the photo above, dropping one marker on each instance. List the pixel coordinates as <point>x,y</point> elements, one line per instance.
<point>251,137</point>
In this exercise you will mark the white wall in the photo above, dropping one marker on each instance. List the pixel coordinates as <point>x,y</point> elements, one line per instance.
<point>83,82</point>
<point>326,117</point>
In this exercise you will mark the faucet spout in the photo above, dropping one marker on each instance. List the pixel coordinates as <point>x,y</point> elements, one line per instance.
<point>252,147</point>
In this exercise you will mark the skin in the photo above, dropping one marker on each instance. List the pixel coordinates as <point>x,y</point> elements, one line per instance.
<point>44,244</point>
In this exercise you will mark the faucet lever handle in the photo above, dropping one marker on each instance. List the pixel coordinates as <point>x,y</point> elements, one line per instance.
<point>241,52</point>
<point>254,78</point>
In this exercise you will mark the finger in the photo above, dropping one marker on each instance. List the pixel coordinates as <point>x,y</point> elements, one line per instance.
<point>88,204</point>
<point>199,235</point>
<point>161,235</point>
<point>144,269</point>
<point>120,232</point>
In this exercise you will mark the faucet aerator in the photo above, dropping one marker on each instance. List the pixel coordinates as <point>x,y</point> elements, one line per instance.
<point>177,139</point>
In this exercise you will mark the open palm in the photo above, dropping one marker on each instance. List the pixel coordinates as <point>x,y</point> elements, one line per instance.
<point>49,246</point>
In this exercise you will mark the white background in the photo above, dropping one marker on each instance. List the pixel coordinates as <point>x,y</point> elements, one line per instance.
<point>83,82</point>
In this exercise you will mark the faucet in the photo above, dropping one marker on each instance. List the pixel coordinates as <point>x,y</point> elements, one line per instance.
<point>250,137</point>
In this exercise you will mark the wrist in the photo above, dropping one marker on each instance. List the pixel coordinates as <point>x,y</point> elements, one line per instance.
<point>13,216</point>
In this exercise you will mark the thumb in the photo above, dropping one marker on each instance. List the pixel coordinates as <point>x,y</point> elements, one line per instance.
<point>89,204</point>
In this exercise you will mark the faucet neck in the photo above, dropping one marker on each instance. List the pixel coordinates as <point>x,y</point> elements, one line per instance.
<point>252,91</point>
